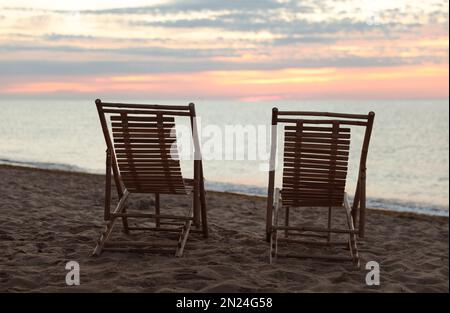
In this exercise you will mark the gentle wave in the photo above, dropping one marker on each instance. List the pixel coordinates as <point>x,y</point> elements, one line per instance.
<point>47,166</point>
<point>375,203</point>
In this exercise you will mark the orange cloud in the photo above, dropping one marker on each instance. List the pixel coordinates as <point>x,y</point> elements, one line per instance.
<point>427,81</point>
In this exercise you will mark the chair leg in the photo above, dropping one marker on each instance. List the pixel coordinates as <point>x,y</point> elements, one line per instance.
<point>352,237</point>
<point>157,210</point>
<point>184,235</point>
<point>109,225</point>
<point>183,238</point>
<point>355,207</point>
<point>203,213</point>
<point>196,194</point>
<point>126,229</point>
<point>329,225</point>
<point>353,248</point>
<point>104,237</point>
<point>271,245</point>
<point>273,249</point>
<point>286,222</point>
<point>196,207</point>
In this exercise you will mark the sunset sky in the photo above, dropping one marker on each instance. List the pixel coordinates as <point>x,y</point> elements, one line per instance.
<point>248,50</point>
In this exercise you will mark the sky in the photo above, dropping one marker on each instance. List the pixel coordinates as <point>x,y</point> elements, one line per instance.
<point>254,50</point>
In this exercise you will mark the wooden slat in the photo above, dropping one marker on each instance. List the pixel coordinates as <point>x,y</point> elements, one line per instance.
<point>169,181</point>
<point>310,203</point>
<point>156,181</point>
<point>289,162</point>
<point>147,118</point>
<point>144,157</point>
<point>157,229</point>
<point>311,185</point>
<point>290,135</point>
<point>135,171</point>
<point>147,168</point>
<point>155,187</point>
<point>147,171</point>
<point>137,152</point>
<point>324,197</point>
<point>139,250</point>
<point>159,190</point>
<point>304,165</point>
<point>149,106</point>
<point>165,146</point>
<point>137,111</point>
<point>292,192</point>
<point>313,202</point>
<point>325,202</point>
<point>309,121</point>
<point>156,161</point>
<point>317,146</point>
<point>164,160</point>
<point>146,162</point>
<point>157,177</point>
<point>124,243</point>
<point>150,133</point>
<point>317,256</point>
<point>132,140</point>
<point>325,114</point>
<point>167,184</point>
<point>316,229</point>
<point>153,175</point>
<point>296,180</point>
<point>313,156</point>
<point>292,178</point>
<point>317,243</point>
<point>140,125</point>
<point>151,127</point>
<point>288,172</point>
<point>316,128</point>
<point>314,151</point>
<point>325,140</point>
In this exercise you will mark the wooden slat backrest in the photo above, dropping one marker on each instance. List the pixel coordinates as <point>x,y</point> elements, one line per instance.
<point>315,164</point>
<point>144,146</point>
<point>321,120</point>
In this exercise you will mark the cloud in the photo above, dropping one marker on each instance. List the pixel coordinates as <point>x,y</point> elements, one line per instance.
<point>144,51</point>
<point>98,68</point>
<point>207,5</point>
<point>263,22</point>
<point>195,36</point>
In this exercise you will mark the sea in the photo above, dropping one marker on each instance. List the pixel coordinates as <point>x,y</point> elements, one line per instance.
<point>407,166</point>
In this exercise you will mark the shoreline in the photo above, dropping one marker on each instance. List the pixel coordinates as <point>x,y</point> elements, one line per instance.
<point>386,211</point>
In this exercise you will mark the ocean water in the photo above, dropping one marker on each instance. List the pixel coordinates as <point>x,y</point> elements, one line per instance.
<point>408,162</point>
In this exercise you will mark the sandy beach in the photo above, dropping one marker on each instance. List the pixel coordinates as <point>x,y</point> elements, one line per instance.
<point>49,218</point>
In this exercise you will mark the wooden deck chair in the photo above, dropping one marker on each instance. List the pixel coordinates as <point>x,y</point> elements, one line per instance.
<point>140,145</point>
<point>316,151</point>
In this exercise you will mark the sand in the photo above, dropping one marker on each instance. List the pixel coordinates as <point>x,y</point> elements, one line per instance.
<point>49,218</point>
